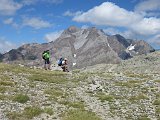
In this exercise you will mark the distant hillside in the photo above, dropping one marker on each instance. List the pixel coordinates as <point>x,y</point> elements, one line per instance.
<point>1,57</point>
<point>83,47</point>
<point>126,91</point>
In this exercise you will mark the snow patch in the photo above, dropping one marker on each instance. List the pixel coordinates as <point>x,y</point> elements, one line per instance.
<point>74,55</point>
<point>74,64</point>
<point>109,45</point>
<point>131,47</point>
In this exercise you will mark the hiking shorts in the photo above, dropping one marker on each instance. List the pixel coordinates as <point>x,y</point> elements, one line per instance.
<point>47,61</point>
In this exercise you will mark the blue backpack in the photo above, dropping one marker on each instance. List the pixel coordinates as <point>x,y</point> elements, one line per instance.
<point>60,61</point>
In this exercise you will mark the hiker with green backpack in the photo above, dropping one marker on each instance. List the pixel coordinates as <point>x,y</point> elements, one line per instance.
<point>46,57</point>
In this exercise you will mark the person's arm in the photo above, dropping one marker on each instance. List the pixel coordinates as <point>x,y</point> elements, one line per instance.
<point>66,62</point>
<point>49,55</point>
<point>44,55</point>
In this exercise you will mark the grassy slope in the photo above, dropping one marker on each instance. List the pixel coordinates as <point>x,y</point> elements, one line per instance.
<point>128,92</point>
<point>53,84</point>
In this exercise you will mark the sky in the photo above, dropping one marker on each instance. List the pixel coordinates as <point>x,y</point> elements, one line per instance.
<point>41,21</point>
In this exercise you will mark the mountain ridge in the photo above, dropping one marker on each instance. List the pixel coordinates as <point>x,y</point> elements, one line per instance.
<point>91,46</point>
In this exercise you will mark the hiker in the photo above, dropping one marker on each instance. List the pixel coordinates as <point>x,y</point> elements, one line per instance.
<point>63,63</point>
<point>46,57</point>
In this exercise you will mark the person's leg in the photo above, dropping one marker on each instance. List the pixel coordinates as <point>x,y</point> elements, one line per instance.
<point>45,65</point>
<point>49,64</point>
<point>63,68</point>
<point>66,68</point>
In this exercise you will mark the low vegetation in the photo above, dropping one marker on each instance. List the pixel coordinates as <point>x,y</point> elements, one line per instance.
<point>78,104</point>
<point>54,94</point>
<point>80,115</point>
<point>31,112</point>
<point>156,102</point>
<point>28,113</point>
<point>128,84</point>
<point>2,89</point>
<point>2,97</point>
<point>103,97</point>
<point>138,97</point>
<point>48,110</point>
<point>27,93</point>
<point>135,75</point>
<point>21,98</point>
<point>158,110</point>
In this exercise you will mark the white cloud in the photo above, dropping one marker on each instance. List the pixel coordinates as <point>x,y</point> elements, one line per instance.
<point>9,7</point>
<point>5,45</point>
<point>112,31</point>
<point>11,22</point>
<point>33,2</point>
<point>8,21</point>
<point>29,2</point>
<point>54,1</point>
<point>85,27</point>
<point>151,14</point>
<point>147,26</point>
<point>69,13</point>
<point>30,9</point>
<point>133,1</point>
<point>109,14</point>
<point>36,23</point>
<point>155,40</point>
<point>15,25</point>
<point>148,5</point>
<point>53,36</point>
<point>127,34</point>
<point>130,35</point>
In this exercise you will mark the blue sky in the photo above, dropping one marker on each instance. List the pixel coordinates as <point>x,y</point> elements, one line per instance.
<point>39,21</point>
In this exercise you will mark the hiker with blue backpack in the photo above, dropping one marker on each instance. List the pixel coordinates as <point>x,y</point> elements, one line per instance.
<point>63,63</point>
<point>46,57</point>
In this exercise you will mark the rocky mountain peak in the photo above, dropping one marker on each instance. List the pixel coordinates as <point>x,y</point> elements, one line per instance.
<point>71,29</point>
<point>92,29</point>
<point>91,46</point>
<point>122,40</point>
<point>119,36</point>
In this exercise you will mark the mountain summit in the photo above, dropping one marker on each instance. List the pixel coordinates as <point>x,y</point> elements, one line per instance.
<point>82,47</point>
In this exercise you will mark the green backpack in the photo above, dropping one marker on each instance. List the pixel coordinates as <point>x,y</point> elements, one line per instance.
<point>43,55</point>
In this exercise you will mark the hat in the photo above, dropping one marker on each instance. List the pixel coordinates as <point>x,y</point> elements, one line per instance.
<point>65,58</point>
